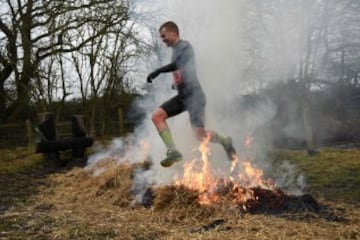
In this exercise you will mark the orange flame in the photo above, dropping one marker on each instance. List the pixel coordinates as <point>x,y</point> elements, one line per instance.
<point>248,141</point>
<point>198,175</point>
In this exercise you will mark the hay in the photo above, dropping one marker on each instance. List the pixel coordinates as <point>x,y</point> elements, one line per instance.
<point>177,203</point>
<point>170,197</point>
<point>115,186</point>
<point>84,206</point>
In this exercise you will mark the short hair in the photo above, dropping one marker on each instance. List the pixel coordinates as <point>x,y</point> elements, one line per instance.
<point>171,26</point>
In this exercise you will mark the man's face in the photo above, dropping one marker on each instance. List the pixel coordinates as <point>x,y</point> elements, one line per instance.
<point>170,38</point>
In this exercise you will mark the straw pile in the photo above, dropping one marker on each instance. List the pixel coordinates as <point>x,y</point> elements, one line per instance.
<point>83,206</point>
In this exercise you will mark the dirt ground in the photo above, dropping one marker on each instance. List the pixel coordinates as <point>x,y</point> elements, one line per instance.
<point>69,203</point>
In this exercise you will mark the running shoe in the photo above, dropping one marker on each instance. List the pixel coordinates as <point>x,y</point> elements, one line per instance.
<point>172,156</point>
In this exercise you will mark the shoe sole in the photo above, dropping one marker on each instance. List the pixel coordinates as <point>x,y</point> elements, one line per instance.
<point>169,163</point>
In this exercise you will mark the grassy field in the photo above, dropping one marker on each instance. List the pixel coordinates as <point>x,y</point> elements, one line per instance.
<point>41,200</point>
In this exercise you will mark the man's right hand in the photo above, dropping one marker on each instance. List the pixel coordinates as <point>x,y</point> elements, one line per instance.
<point>152,76</point>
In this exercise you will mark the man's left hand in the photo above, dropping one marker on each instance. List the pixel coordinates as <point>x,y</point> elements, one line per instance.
<point>152,76</point>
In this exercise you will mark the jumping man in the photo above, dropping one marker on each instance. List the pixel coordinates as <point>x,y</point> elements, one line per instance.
<point>190,96</point>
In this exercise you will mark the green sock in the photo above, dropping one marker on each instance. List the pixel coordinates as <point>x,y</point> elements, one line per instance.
<point>167,139</point>
<point>217,138</point>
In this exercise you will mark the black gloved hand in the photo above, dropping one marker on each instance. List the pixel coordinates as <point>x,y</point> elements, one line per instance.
<point>152,76</point>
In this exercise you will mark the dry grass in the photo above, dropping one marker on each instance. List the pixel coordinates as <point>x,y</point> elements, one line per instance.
<point>86,207</point>
<point>74,204</point>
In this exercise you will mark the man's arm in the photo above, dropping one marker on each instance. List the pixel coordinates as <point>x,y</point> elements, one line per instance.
<point>168,68</point>
<point>186,54</point>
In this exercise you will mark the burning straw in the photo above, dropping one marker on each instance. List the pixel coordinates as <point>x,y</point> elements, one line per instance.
<point>239,187</point>
<point>200,187</point>
<point>199,201</point>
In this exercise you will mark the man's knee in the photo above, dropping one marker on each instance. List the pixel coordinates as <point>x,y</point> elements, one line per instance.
<point>159,115</point>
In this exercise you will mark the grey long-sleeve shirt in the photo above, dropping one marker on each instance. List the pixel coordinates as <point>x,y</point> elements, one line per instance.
<point>183,67</point>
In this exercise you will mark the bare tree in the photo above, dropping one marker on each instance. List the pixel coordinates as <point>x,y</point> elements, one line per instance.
<point>306,41</point>
<point>101,67</point>
<point>341,42</point>
<point>40,29</point>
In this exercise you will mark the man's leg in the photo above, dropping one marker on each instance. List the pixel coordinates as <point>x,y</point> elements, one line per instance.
<point>159,119</point>
<point>196,108</point>
<point>226,142</point>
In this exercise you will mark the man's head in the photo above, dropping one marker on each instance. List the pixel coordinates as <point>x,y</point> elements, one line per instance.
<point>169,33</point>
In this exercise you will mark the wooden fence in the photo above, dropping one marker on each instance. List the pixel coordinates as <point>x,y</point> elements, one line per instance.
<point>22,134</point>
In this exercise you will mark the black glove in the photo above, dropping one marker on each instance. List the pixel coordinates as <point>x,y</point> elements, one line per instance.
<point>152,76</point>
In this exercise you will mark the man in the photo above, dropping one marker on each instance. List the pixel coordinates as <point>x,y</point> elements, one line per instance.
<point>190,95</point>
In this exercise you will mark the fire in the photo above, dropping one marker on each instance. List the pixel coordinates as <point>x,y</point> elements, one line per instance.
<point>199,175</point>
<point>248,141</point>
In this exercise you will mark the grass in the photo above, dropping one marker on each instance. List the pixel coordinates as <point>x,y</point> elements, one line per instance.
<point>18,159</point>
<point>19,178</point>
<point>333,173</point>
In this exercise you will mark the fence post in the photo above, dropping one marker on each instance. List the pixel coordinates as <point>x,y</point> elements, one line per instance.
<point>78,131</point>
<point>78,125</point>
<point>121,122</point>
<point>30,136</point>
<point>47,125</point>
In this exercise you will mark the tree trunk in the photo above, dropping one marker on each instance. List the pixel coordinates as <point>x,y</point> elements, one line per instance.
<point>304,76</point>
<point>21,106</point>
<point>4,75</point>
<point>308,129</point>
<point>2,102</point>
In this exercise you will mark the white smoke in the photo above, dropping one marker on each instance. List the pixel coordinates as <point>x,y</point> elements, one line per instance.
<point>288,179</point>
<point>215,29</point>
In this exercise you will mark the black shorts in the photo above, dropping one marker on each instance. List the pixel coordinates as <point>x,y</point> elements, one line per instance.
<point>193,103</point>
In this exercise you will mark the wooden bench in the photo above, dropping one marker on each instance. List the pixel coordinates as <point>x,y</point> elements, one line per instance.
<point>48,143</point>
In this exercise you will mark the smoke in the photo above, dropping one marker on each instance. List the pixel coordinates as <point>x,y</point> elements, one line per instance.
<point>215,30</point>
<point>288,179</point>
<point>226,70</point>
